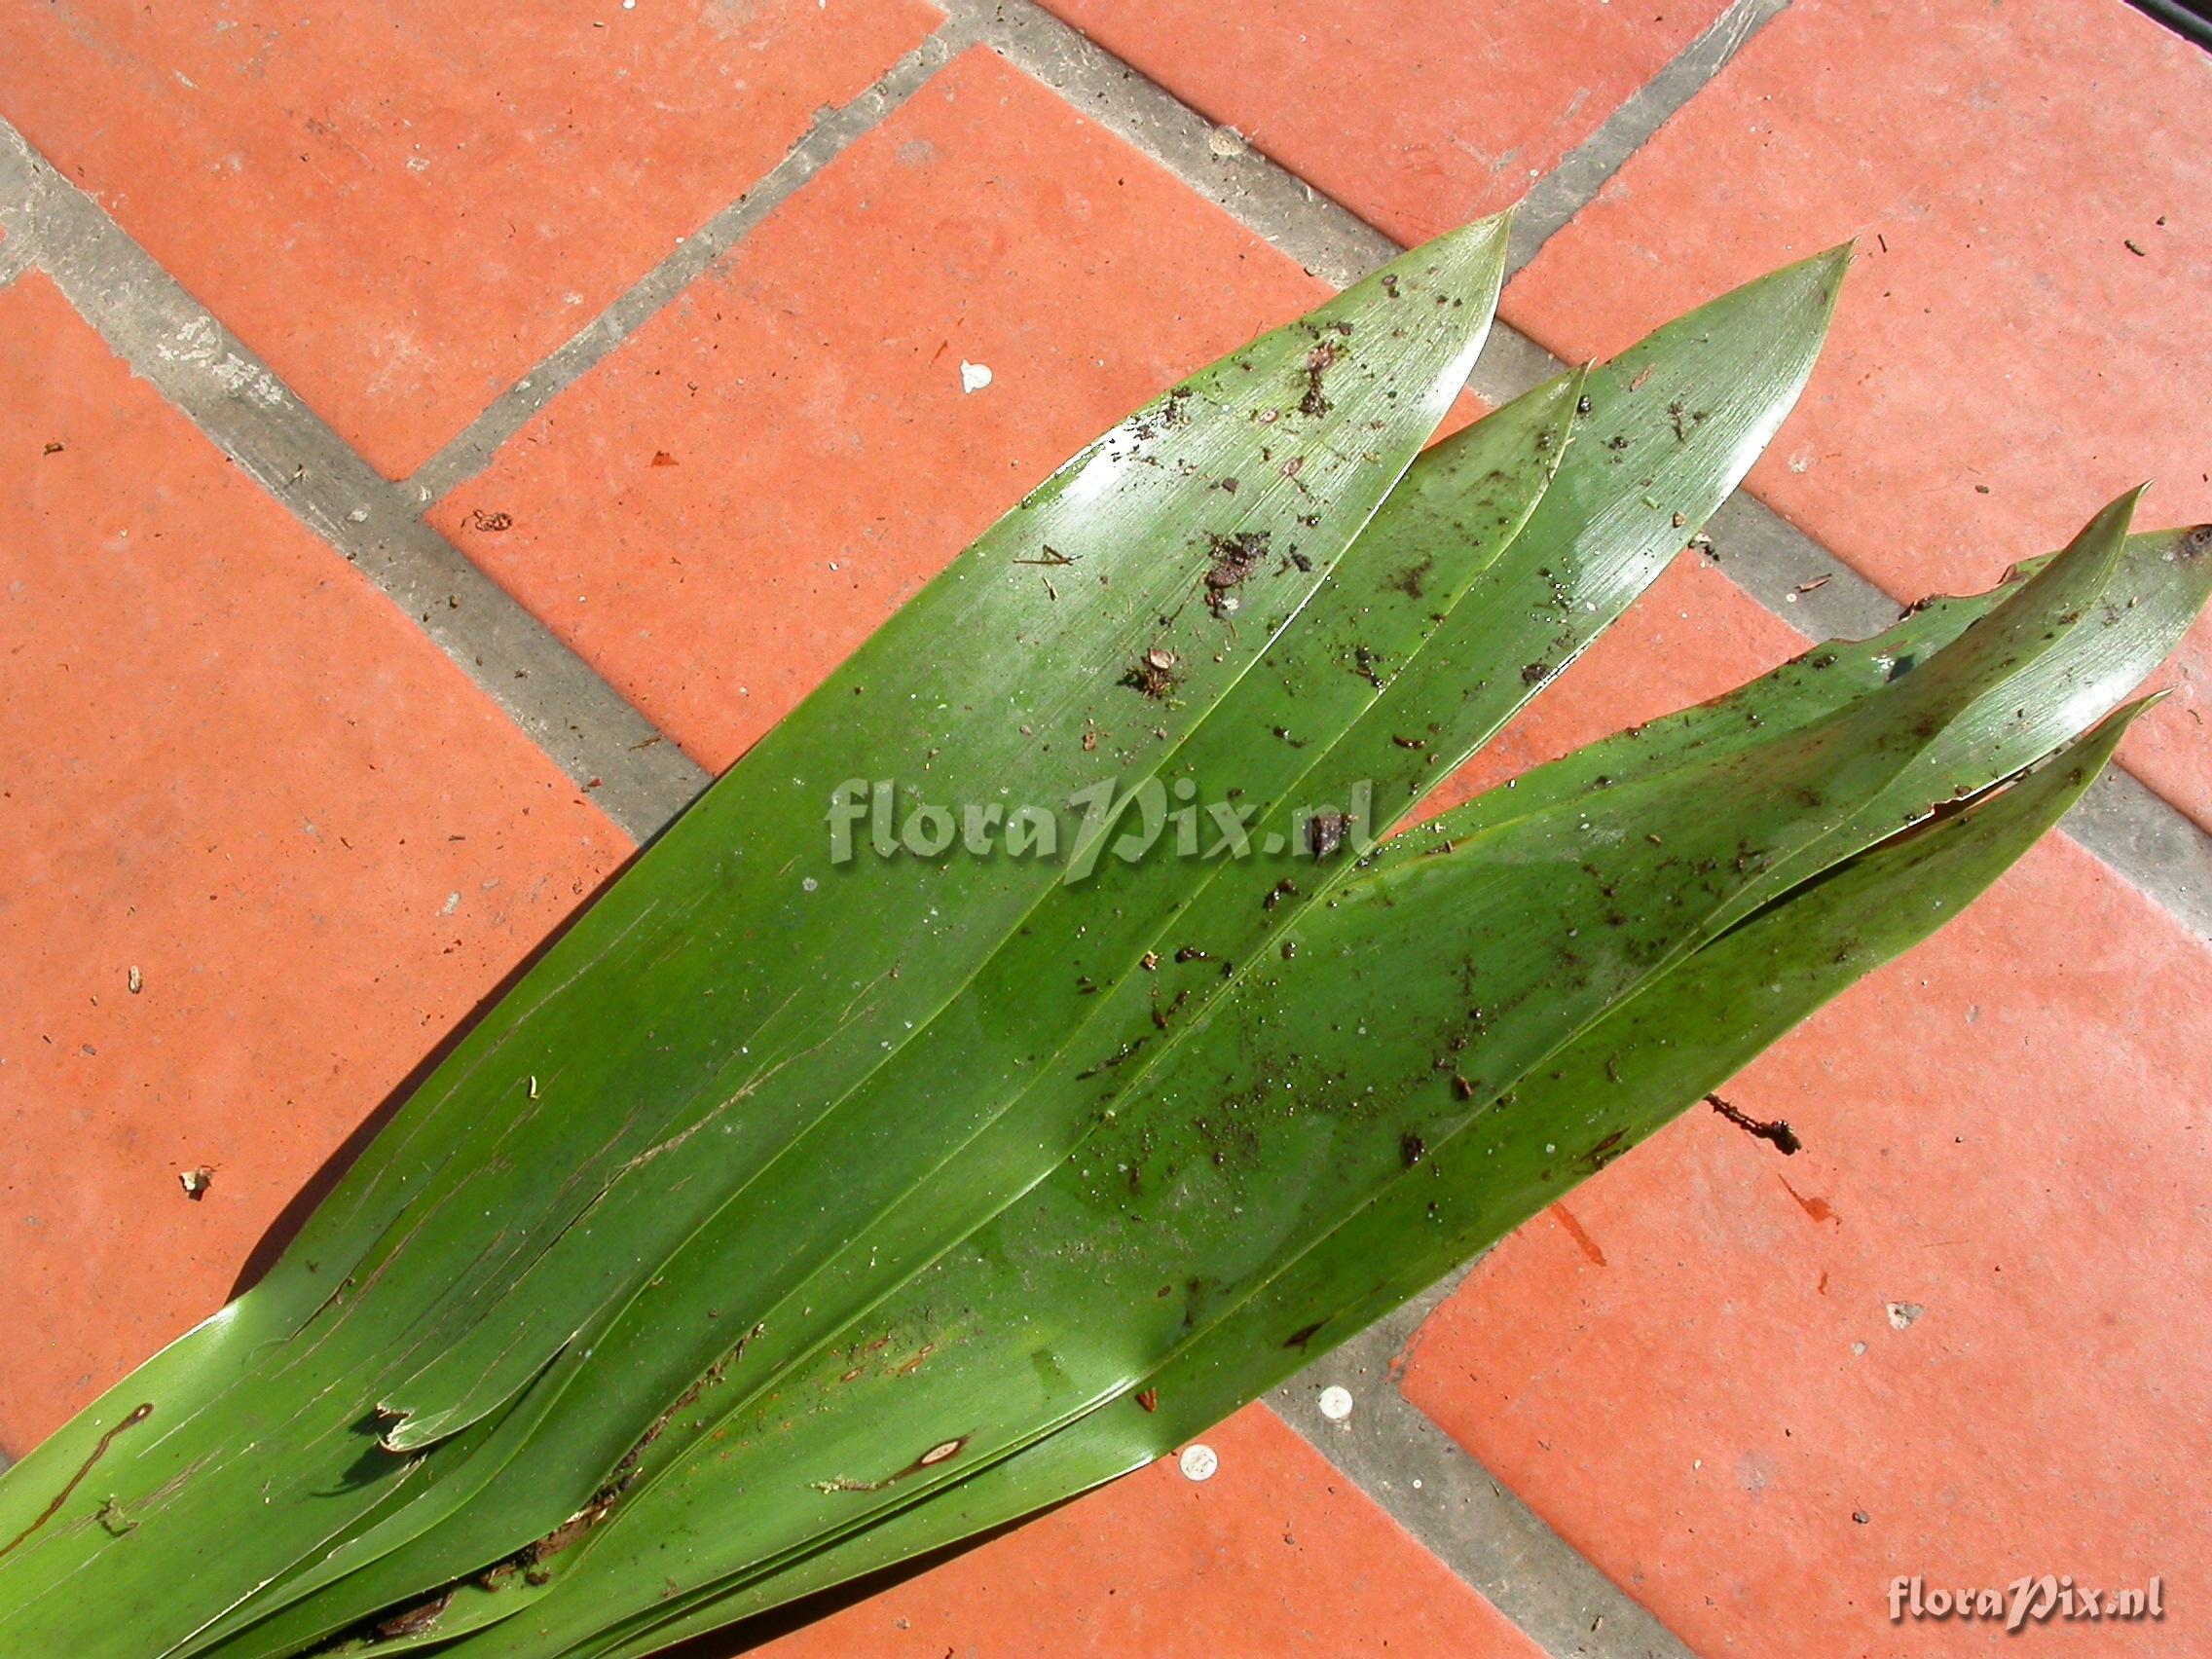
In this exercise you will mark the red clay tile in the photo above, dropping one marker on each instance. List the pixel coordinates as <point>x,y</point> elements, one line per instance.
<point>1416,116</point>
<point>261,791</point>
<point>2004,361</point>
<point>1277,1554</point>
<point>727,506</point>
<point>1957,1336</point>
<point>404,205</point>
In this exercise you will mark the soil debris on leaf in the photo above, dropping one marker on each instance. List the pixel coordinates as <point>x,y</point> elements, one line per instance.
<point>1325,833</point>
<point>1153,675</point>
<point>1318,362</point>
<point>1233,559</point>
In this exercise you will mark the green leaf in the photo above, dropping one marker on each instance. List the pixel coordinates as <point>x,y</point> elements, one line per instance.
<point>717,994</point>
<point>1654,1056</point>
<point>2035,624</point>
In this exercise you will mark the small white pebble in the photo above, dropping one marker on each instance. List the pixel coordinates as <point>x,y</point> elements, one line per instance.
<point>973,377</point>
<point>1198,1462</point>
<point>1336,1403</point>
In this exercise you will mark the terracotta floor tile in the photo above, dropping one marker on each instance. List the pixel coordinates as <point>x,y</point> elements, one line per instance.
<point>2003,360</point>
<point>1960,1335</point>
<point>403,205</point>
<point>730,504</point>
<point>238,774</point>
<point>1277,1555</point>
<point>1418,117</point>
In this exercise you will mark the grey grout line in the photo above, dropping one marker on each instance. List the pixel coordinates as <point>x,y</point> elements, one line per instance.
<point>2145,839</point>
<point>1437,1492</point>
<point>1282,209</point>
<point>14,258</point>
<point>834,128</point>
<point>145,315</point>
<point>1574,183</point>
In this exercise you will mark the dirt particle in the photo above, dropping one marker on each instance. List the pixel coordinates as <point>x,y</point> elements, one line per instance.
<point>1784,1138</point>
<point>1318,362</point>
<point>1412,1148</point>
<point>1325,833</point>
<point>195,1182</point>
<point>1148,1399</point>
<point>1153,675</point>
<point>491,523</point>
<point>1231,560</point>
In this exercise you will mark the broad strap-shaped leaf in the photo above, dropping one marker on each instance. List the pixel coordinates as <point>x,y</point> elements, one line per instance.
<point>1231,1162</point>
<point>976,1060</point>
<point>1656,1054</point>
<point>1426,578</point>
<point>715,991</point>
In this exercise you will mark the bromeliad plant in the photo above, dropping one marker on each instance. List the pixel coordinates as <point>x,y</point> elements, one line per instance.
<point>797,1215</point>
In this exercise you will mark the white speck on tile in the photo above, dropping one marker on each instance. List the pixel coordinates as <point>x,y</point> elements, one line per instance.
<point>1199,1463</point>
<point>973,377</point>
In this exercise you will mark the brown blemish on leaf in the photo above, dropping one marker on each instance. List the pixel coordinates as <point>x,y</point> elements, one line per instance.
<point>415,1619</point>
<point>1411,581</point>
<point>138,1414</point>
